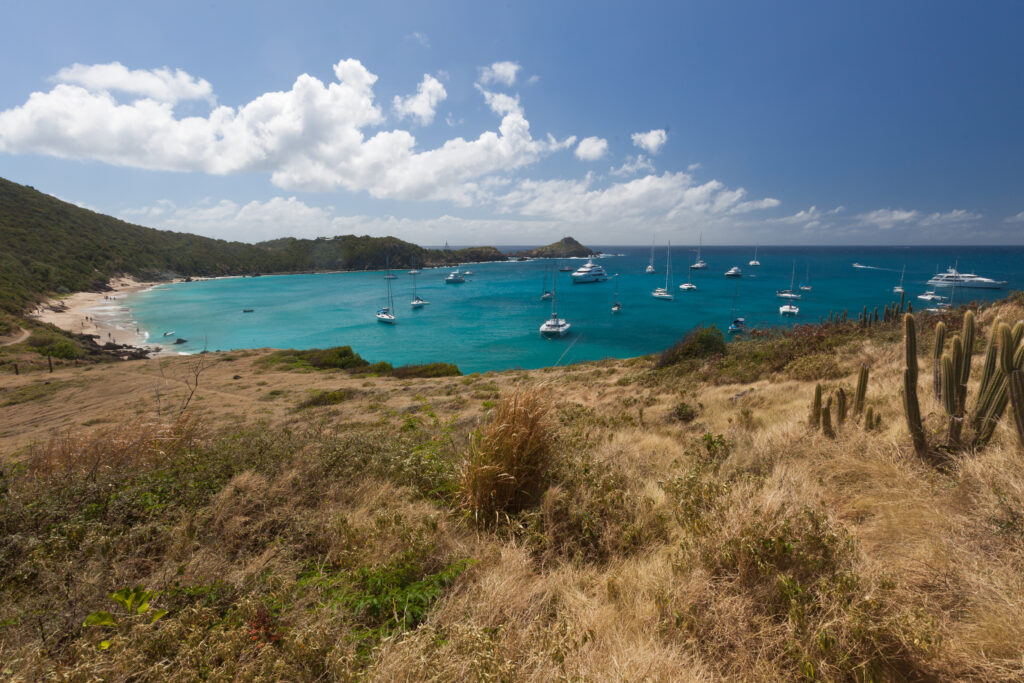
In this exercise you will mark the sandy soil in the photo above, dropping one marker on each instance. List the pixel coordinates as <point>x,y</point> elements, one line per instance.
<point>100,313</point>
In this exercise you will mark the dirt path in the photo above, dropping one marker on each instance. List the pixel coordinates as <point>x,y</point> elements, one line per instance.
<point>18,339</point>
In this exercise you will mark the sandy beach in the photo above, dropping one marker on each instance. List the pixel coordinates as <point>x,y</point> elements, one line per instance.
<point>101,313</point>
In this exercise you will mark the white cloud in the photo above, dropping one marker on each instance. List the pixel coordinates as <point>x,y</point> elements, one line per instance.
<point>503,73</point>
<point>158,84</point>
<point>693,167</point>
<point>886,219</point>
<point>420,38</point>
<point>591,149</point>
<point>312,138</point>
<point>807,216</point>
<point>424,103</point>
<point>651,141</point>
<point>533,80</point>
<point>289,217</point>
<point>1019,218</point>
<point>633,166</point>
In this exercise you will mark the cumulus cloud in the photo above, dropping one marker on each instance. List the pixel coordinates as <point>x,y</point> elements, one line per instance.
<point>1019,218</point>
<point>634,166</point>
<point>280,216</point>
<point>651,141</point>
<point>591,149</point>
<point>420,38</point>
<point>312,137</point>
<point>161,84</point>
<point>424,103</point>
<point>502,73</point>
<point>887,219</point>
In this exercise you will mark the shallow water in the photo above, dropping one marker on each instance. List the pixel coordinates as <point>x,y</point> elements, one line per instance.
<point>491,322</point>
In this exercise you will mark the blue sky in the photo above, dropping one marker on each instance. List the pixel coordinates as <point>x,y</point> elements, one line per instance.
<point>484,123</point>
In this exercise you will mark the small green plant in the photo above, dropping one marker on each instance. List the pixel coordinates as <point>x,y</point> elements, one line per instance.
<point>684,412</point>
<point>135,604</point>
<point>862,390</point>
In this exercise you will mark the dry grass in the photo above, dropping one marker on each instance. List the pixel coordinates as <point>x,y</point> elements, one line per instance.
<point>620,543</point>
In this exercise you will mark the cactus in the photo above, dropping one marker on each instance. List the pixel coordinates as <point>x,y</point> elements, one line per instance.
<point>826,420</point>
<point>869,419</point>
<point>968,338</point>
<point>940,342</point>
<point>902,295</point>
<point>844,315</point>
<point>815,416</point>
<point>988,371</point>
<point>1016,383</point>
<point>1018,332</point>
<point>862,390</point>
<point>911,408</point>
<point>994,397</point>
<point>950,402</point>
<point>876,314</point>
<point>910,307</point>
<point>840,407</point>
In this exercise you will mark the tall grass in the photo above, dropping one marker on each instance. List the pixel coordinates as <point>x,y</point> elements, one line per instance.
<point>509,459</point>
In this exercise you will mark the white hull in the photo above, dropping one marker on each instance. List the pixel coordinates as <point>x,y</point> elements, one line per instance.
<point>555,327</point>
<point>688,287</point>
<point>662,293</point>
<point>788,310</point>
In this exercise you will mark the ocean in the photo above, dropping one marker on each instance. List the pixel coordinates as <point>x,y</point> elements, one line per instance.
<point>491,322</point>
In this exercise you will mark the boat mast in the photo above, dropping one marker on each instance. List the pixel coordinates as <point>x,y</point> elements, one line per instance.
<point>668,265</point>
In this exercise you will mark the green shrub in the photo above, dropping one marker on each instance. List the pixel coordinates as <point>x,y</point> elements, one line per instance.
<point>684,412</point>
<point>324,398</point>
<point>701,342</point>
<point>427,370</point>
<point>50,344</point>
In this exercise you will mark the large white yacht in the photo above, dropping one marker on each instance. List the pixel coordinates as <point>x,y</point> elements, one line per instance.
<point>954,278</point>
<point>589,272</point>
<point>454,278</point>
<point>734,272</point>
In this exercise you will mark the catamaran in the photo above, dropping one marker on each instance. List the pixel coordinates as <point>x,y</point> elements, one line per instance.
<point>416,302</point>
<point>616,306</point>
<point>688,286</point>
<point>545,293</point>
<point>805,286</point>
<point>650,266</point>
<point>734,272</point>
<point>898,289</point>
<point>699,264</point>
<point>554,326</point>
<point>666,291</point>
<point>754,261</point>
<point>790,308</point>
<point>387,314</point>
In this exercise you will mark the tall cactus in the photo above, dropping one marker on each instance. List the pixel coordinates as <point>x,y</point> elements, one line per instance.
<point>911,408</point>
<point>940,342</point>
<point>968,339</point>
<point>862,390</point>
<point>826,420</point>
<point>950,377</point>
<point>840,406</point>
<point>992,403</point>
<point>1016,382</point>
<point>815,417</point>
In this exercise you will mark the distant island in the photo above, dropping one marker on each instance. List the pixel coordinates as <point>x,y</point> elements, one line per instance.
<point>566,247</point>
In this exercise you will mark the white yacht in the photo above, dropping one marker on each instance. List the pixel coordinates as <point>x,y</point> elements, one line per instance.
<point>789,309</point>
<point>754,261</point>
<point>454,278</point>
<point>414,271</point>
<point>699,264</point>
<point>666,291</point>
<point>930,295</point>
<point>467,272</point>
<point>650,266</point>
<point>616,306</point>
<point>954,278</point>
<point>734,272</point>
<point>898,289</point>
<point>805,286</point>
<point>688,286</point>
<point>589,272</point>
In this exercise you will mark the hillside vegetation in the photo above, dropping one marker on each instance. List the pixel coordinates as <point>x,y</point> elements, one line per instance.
<point>53,247</point>
<point>720,512</point>
<point>567,247</point>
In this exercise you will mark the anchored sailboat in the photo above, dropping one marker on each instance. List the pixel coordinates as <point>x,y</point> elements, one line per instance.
<point>416,302</point>
<point>616,306</point>
<point>739,325</point>
<point>387,314</point>
<point>650,266</point>
<point>790,308</point>
<point>699,264</point>
<point>754,261</point>
<point>554,326</point>
<point>666,291</point>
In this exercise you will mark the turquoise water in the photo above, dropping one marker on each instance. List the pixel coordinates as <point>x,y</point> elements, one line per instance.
<point>491,322</point>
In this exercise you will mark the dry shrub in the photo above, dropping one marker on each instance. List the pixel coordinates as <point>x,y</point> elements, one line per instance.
<point>509,459</point>
<point>135,445</point>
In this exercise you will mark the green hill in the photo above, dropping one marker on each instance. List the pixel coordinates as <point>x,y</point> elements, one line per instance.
<point>566,247</point>
<point>53,247</point>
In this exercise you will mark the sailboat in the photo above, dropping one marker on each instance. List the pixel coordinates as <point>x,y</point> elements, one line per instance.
<point>650,266</point>
<point>666,291</point>
<point>554,326</point>
<point>545,293</point>
<point>616,306</point>
<point>699,264</point>
<point>805,286</point>
<point>564,268</point>
<point>387,314</point>
<point>754,261</point>
<point>898,289</point>
<point>789,308</point>
<point>739,325</point>
<point>416,302</point>
<point>688,286</point>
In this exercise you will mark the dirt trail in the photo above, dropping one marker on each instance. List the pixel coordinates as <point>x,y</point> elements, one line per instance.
<point>22,336</point>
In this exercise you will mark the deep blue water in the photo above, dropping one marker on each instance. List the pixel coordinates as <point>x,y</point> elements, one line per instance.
<point>491,322</point>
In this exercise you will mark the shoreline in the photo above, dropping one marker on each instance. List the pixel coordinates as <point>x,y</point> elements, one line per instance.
<point>103,314</point>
